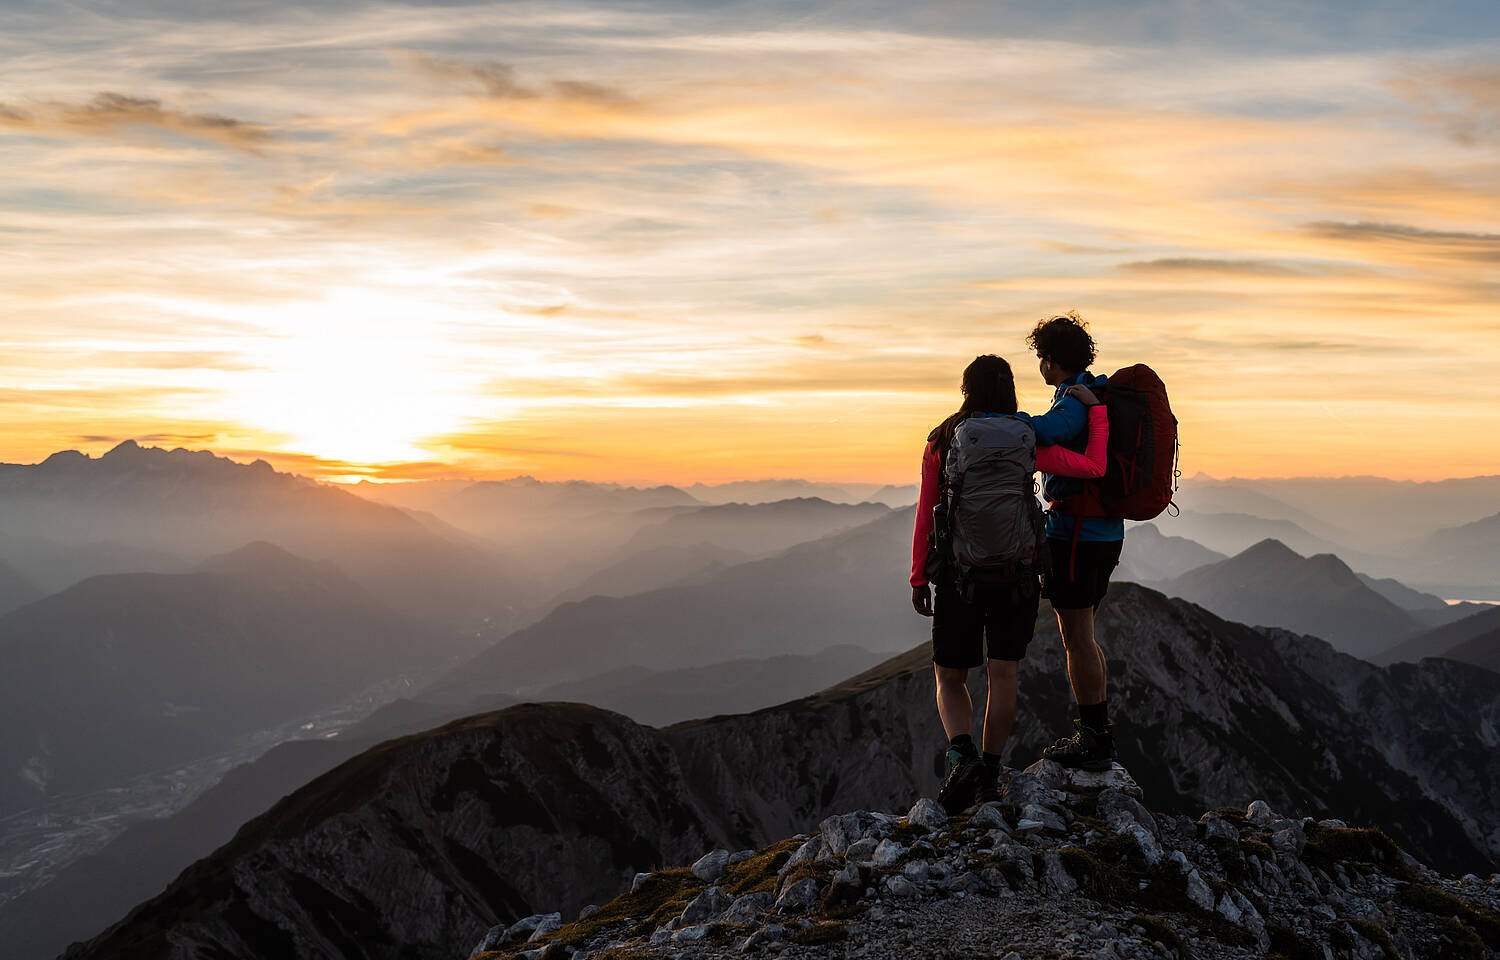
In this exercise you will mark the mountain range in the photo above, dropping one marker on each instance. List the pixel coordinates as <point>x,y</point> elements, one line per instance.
<point>417,846</point>
<point>191,504</point>
<point>1271,584</point>
<point>846,588</point>
<point>124,673</point>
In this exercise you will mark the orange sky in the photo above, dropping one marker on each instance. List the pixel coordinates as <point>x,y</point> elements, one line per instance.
<point>676,245</point>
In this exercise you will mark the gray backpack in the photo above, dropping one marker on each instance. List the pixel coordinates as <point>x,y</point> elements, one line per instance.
<point>994,522</point>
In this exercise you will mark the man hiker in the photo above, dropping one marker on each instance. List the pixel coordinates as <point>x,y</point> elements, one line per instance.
<point>977,540</point>
<point>1083,550</point>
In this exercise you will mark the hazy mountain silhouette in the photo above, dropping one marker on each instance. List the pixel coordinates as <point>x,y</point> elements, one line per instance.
<point>756,528</point>
<point>1272,585</point>
<point>1428,609</point>
<point>1150,556</point>
<point>654,567</point>
<point>1441,641</point>
<point>52,565</point>
<point>15,590</point>
<point>1203,495</point>
<point>1232,533</point>
<point>1463,559</point>
<point>658,698</point>
<point>192,504</point>
<point>844,588</point>
<point>766,491</point>
<point>1481,651</point>
<point>415,847</point>
<point>1379,514</point>
<point>125,673</point>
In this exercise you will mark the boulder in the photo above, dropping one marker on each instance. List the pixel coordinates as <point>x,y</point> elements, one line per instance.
<point>707,905</point>
<point>798,896</point>
<point>1260,813</point>
<point>887,852</point>
<point>1117,808</point>
<point>927,814</point>
<point>711,865</point>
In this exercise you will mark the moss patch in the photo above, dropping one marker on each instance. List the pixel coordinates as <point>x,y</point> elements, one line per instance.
<point>1327,846</point>
<point>1249,846</point>
<point>1461,943</point>
<point>1097,878</point>
<point>820,933</point>
<point>1443,904</point>
<point>1376,934</point>
<point>759,872</point>
<point>660,897</point>
<point>1161,931</point>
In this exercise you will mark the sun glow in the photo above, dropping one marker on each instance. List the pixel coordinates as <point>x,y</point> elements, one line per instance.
<point>359,377</point>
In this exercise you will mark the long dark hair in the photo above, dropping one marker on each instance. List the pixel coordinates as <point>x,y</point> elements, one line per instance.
<point>988,386</point>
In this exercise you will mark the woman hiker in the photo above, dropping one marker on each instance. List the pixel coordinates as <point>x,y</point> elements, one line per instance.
<point>979,619</point>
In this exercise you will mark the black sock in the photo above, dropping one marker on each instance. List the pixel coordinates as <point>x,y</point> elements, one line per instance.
<point>993,759</point>
<point>1095,716</point>
<point>964,744</point>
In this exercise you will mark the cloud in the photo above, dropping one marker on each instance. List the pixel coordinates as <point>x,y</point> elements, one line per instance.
<point>1461,99</point>
<point>110,112</point>
<point>1200,265</point>
<point>1437,244</point>
<point>499,80</point>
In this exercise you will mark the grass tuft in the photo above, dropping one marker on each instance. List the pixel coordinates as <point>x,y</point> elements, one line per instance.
<point>820,933</point>
<point>1443,904</point>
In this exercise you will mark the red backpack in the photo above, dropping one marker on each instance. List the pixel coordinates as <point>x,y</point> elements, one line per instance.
<point>1141,472</point>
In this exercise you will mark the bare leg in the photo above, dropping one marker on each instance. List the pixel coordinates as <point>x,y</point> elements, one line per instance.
<point>955,708</point>
<point>1087,671</point>
<point>1000,704</point>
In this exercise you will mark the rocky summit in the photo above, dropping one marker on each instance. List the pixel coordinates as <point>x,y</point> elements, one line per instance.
<point>1067,865</point>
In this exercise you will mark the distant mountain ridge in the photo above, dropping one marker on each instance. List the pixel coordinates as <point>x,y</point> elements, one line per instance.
<point>192,504</point>
<point>1272,585</point>
<point>845,588</point>
<point>124,673</point>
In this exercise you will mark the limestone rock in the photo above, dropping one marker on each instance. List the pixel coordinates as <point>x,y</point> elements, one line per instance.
<point>887,852</point>
<point>1259,813</point>
<point>799,895</point>
<point>988,815</point>
<point>711,865</point>
<point>926,813</point>
<point>707,905</point>
<point>750,905</point>
<point>1215,827</point>
<point>1116,808</point>
<point>1199,892</point>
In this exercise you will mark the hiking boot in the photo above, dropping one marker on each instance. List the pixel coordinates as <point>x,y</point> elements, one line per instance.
<point>957,791</point>
<point>1087,748</point>
<point>988,787</point>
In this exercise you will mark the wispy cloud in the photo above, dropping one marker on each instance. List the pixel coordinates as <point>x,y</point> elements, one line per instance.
<point>108,113</point>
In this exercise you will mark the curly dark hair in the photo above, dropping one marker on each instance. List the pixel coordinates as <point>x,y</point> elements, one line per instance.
<point>1064,340</point>
<point>989,386</point>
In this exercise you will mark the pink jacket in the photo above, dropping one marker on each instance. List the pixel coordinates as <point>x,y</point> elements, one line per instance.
<point>1051,459</point>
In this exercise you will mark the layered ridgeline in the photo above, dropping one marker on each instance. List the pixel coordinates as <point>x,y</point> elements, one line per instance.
<point>842,589</point>
<point>125,673</point>
<point>1270,584</point>
<point>148,509</point>
<point>419,846</point>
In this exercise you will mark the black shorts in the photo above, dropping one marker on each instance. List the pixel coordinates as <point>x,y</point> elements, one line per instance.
<point>1079,581</point>
<point>1000,618</point>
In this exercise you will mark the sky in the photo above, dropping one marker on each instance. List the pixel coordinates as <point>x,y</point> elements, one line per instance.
<point>672,242</point>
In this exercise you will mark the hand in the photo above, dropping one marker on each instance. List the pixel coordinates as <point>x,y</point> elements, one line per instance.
<point>921,600</point>
<point>1080,392</point>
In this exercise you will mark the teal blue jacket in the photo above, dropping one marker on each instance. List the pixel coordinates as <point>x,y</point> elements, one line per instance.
<point>1067,423</point>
